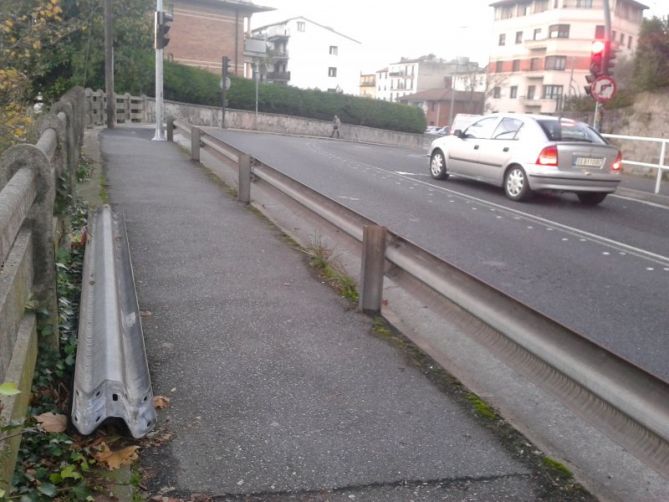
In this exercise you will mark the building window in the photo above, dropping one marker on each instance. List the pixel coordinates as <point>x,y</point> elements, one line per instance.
<point>584,4</point>
<point>513,92</point>
<point>332,71</point>
<point>522,10</point>
<point>552,91</point>
<point>613,35</point>
<point>496,92</point>
<point>530,91</point>
<point>599,32</point>
<point>502,39</point>
<point>537,34</point>
<point>555,63</point>
<point>540,6</point>
<point>301,26</point>
<point>629,42</point>
<point>515,65</point>
<point>558,31</point>
<point>499,66</point>
<point>622,39</point>
<point>519,37</point>
<point>334,50</point>
<point>535,64</point>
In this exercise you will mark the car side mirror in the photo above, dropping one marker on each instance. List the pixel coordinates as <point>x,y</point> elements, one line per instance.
<point>458,133</point>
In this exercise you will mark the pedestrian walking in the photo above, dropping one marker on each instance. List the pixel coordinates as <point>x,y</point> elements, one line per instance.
<point>335,127</point>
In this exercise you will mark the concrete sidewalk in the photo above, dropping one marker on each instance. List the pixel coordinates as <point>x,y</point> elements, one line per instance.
<point>279,389</point>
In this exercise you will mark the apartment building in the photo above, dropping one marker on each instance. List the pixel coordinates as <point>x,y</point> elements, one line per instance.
<point>308,55</point>
<point>541,49</point>
<point>203,31</point>
<point>368,85</point>
<point>410,76</point>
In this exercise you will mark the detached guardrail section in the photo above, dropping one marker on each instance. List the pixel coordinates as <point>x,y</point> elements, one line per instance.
<point>626,400</point>
<point>29,175</point>
<point>111,376</point>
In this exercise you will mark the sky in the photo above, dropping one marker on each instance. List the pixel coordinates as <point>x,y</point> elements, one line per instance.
<point>391,30</point>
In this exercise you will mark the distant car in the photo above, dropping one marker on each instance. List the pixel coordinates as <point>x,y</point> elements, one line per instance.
<point>526,153</point>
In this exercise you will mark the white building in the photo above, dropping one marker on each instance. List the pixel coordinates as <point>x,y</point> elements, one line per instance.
<point>410,76</point>
<point>305,54</point>
<point>541,49</point>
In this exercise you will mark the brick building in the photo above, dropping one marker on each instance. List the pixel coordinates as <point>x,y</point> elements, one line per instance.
<point>203,31</point>
<point>436,103</point>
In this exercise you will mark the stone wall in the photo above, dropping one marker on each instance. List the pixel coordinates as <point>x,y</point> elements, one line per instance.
<point>269,122</point>
<point>648,116</point>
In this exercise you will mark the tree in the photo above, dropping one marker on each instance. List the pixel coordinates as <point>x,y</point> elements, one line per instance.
<point>651,66</point>
<point>26,28</point>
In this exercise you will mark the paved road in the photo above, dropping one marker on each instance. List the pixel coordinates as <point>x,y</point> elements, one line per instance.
<point>279,391</point>
<point>602,271</point>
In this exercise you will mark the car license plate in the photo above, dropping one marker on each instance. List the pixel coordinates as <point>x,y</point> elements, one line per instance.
<point>589,162</point>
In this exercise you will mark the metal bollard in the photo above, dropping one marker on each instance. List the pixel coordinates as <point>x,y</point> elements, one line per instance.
<point>372,268</point>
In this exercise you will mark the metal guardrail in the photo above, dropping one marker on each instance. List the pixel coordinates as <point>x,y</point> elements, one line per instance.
<point>661,166</point>
<point>635,401</point>
<point>111,376</point>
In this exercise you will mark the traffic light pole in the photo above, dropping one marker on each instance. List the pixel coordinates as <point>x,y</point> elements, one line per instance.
<point>160,130</point>
<point>597,119</point>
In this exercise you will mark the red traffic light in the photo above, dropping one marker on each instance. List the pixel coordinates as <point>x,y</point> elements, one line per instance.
<point>598,46</point>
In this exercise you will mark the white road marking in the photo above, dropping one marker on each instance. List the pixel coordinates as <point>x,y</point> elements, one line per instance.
<point>647,202</point>
<point>576,232</point>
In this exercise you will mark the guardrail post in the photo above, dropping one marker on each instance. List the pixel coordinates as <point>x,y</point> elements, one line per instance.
<point>170,129</point>
<point>195,143</point>
<point>244,192</point>
<point>660,171</point>
<point>372,268</point>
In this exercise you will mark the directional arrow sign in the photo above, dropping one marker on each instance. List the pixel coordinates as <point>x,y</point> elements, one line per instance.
<point>604,88</point>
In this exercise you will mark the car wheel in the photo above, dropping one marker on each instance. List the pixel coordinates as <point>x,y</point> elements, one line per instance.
<point>516,185</point>
<point>591,198</point>
<point>438,165</point>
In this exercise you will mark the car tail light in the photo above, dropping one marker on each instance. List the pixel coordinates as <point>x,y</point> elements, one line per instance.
<point>548,156</point>
<point>618,163</point>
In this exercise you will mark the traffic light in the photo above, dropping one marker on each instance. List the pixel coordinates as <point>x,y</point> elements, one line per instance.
<point>610,57</point>
<point>162,26</point>
<point>598,58</point>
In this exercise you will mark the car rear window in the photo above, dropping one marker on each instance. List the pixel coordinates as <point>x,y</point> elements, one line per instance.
<point>568,130</point>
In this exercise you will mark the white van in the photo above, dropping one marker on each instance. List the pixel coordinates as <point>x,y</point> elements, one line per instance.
<point>463,120</point>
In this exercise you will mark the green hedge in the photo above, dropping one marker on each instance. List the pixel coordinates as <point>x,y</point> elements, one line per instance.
<point>192,85</point>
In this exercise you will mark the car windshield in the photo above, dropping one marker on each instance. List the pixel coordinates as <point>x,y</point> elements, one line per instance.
<point>567,130</point>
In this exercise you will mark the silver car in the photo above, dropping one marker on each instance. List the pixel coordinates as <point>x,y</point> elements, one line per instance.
<point>526,153</point>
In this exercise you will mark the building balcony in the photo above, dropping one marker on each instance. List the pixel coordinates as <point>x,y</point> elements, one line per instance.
<point>279,76</point>
<point>539,44</point>
<point>277,55</point>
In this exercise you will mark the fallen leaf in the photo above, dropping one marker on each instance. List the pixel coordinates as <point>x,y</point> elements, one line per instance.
<point>50,422</point>
<point>9,389</point>
<point>115,459</point>
<point>161,402</point>
<point>145,313</point>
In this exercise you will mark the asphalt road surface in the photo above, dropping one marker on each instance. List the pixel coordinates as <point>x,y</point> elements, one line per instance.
<point>602,271</point>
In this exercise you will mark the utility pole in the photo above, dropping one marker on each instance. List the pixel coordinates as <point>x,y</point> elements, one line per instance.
<point>225,68</point>
<point>109,66</point>
<point>160,131</point>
